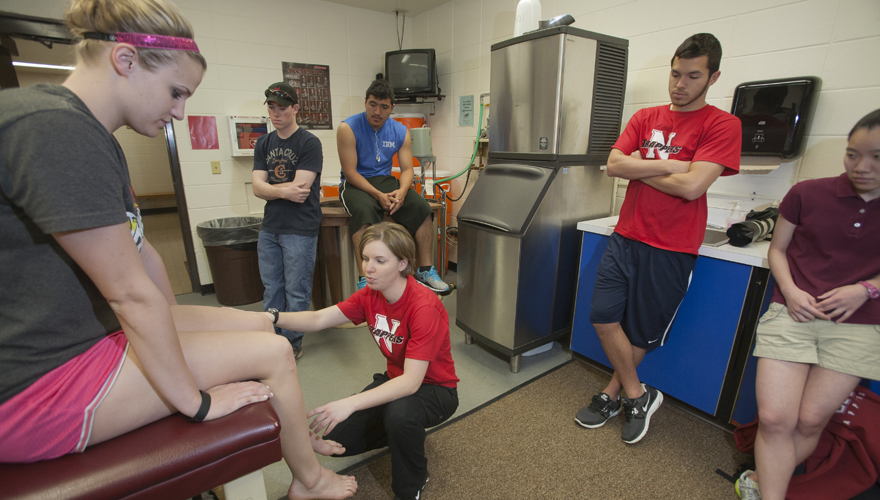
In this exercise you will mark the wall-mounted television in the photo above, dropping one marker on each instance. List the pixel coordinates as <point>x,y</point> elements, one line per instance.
<point>412,73</point>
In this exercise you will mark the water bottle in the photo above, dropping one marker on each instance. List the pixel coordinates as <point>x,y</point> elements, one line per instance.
<point>528,13</point>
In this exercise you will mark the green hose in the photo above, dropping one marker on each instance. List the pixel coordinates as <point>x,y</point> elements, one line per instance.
<point>476,146</point>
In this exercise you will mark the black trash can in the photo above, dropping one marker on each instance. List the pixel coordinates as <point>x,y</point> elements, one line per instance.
<point>231,248</point>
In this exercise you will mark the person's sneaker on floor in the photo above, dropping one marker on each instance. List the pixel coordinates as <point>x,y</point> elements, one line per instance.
<point>638,413</point>
<point>746,488</point>
<point>362,282</point>
<point>297,353</point>
<point>598,412</point>
<point>419,494</point>
<point>428,276</point>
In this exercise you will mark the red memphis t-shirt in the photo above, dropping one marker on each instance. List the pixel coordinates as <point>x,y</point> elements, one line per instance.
<point>836,241</point>
<point>415,327</point>
<point>658,219</point>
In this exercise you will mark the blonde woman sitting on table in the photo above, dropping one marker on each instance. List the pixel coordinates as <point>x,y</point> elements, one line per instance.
<point>92,344</point>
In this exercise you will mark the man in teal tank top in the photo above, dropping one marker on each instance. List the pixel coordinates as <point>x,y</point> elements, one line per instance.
<point>367,142</point>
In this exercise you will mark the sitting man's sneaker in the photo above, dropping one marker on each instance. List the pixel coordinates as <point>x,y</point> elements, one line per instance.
<point>362,282</point>
<point>638,413</point>
<point>598,412</point>
<point>746,488</point>
<point>428,276</point>
<point>297,353</point>
<point>419,494</point>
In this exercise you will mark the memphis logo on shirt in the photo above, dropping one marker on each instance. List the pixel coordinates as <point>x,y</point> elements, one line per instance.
<point>385,333</point>
<point>659,145</point>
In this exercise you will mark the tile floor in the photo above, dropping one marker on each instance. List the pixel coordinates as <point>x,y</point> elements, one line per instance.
<point>340,362</point>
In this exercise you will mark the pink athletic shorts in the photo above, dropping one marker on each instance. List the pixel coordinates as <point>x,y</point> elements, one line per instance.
<point>53,417</point>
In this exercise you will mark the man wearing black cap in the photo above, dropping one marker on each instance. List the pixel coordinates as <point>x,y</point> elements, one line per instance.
<point>287,174</point>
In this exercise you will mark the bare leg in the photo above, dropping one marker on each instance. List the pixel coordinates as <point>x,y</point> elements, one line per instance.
<point>614,385</point>
<point>623,358</point>
<point>205,318</point>
<point>221,357</point>
<point>356,241</point>
<point>786,438</point>
<point>424,240</point>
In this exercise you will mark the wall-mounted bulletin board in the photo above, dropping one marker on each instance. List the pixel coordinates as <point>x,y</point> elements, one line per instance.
<point>312,84</point>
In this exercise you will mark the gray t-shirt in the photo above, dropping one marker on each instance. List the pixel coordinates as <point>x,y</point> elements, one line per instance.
<point>60,170</point>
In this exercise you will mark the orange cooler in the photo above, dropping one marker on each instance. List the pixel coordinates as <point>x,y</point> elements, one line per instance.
<point>411,120</point>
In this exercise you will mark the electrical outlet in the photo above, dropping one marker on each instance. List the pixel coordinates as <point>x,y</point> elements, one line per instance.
<point>215,167</point>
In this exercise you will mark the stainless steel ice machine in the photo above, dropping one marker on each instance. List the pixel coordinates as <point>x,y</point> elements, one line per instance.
<point>557,102</point>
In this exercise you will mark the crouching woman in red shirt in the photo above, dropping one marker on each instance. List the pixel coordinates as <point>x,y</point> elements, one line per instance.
<point>411,327</point>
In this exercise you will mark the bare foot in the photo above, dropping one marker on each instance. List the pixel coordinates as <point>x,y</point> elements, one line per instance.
<point>325,446</point>
<point>330,486</point>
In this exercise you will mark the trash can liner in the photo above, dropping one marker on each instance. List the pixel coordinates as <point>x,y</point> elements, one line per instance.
<point>229,231</point>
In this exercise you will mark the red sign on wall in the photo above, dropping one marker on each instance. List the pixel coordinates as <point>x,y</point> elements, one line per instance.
<point>203,132</point>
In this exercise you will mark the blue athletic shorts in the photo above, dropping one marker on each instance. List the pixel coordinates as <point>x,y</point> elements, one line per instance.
<point>640,287</point>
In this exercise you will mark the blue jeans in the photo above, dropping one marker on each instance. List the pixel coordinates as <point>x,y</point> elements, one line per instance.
<point>287,267</point>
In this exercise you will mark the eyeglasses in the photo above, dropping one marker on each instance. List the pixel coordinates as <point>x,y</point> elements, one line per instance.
<point>280,93</point>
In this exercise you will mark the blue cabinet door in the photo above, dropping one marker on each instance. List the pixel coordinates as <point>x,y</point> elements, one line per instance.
<point>693,363</point>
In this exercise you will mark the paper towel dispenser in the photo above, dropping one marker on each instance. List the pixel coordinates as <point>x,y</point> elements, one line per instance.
<point>775,115</point>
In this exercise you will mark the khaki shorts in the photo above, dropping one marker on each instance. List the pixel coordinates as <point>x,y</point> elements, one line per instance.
<point>845,348</point>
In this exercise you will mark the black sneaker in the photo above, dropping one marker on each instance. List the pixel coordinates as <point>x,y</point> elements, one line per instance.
<point>638,413</point>
<point>598,412</point>
<point>419,493</point>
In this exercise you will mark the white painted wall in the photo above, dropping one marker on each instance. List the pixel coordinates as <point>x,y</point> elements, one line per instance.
<point>836,40</point>
<point>246,41</point>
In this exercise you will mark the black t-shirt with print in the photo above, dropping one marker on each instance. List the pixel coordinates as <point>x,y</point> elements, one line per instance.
<point>281,159</point>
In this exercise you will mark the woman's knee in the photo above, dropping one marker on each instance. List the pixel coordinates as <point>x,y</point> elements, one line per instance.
<point>275,352</point>
<point>262,323</point>
<point>811,422</point>
<point>777,420</point>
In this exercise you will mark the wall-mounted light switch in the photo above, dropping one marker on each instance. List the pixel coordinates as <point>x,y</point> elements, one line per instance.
<point>215,167</point>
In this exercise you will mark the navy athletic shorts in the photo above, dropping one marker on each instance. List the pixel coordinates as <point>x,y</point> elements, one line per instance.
<point>640,287</point>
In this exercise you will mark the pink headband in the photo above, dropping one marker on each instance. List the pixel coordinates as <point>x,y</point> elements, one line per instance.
<point>146,41</point>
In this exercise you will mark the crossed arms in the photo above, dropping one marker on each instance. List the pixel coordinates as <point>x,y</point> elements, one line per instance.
<point>684,179</point>
<point>296,191</point>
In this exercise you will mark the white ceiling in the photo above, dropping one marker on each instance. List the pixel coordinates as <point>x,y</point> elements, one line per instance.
<point>411,8</point>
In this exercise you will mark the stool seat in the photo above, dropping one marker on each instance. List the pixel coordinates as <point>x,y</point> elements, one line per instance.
<point>168,459</point>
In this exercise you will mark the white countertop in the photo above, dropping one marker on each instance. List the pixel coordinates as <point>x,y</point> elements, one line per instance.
<point>754,255</point>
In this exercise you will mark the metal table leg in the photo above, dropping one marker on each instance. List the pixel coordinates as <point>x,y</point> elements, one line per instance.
<point>514,363</point>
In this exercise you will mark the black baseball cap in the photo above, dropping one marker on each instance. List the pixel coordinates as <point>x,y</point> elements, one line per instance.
<point>281,93</point>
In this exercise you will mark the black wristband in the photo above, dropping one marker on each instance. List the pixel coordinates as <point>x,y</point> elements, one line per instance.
<point>203,408</point>
<point>274,313</point>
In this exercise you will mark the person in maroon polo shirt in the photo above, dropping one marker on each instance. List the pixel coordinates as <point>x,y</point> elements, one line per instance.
<point>821,335</point>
